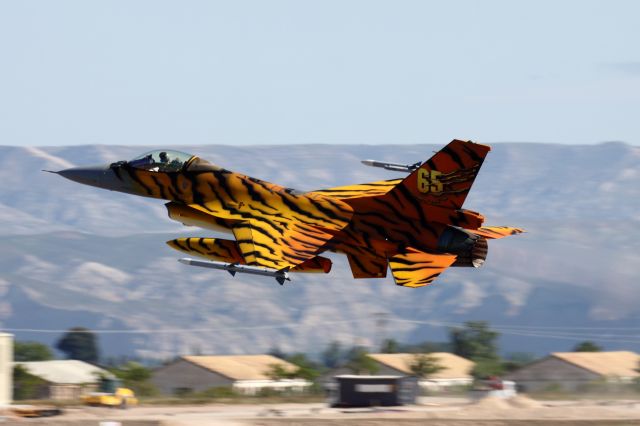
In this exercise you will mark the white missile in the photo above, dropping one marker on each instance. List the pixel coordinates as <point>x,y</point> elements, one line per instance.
<point>391,166</point>
<point>281,276</point>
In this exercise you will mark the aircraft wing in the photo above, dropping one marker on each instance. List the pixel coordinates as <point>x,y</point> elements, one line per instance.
<point>360,190</point>
<point>417,269</point>
<point>278,245</point>
<point>278,229</point>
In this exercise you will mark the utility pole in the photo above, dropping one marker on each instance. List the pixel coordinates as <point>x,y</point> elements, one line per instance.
<point>6,369</point>
<point>381,319</point>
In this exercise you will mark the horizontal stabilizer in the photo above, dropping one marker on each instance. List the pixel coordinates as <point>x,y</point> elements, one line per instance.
<point>417,269</point>
<point>496,232</point>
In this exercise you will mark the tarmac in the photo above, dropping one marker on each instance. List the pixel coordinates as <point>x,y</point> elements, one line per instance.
<point>519,411</point>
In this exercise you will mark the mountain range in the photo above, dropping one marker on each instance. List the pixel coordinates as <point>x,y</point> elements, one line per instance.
<point>73,255</point>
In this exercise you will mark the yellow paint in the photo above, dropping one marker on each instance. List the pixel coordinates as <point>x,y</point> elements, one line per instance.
<point>429,181</point>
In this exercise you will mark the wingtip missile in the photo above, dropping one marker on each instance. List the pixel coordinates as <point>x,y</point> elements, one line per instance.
<point>408,168</point>
<point>233,268</point>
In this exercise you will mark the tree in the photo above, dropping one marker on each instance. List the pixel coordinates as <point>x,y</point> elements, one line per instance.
<point>515,360</point>
<point>279,372</point>
<point>306,369</point>
<point>423,365</point>
<point>132,372</point>
<point>359,361</point>
<point>333,356</point>
<point>475,341</point>
<point>136,377</point>
<point>277,352</point>
<point>486,368</point>
<point>390,346</point>
<point>587,346</point>
<point>79,343</point>
<point>26,385</point>
<point>426,347</point>
<point>31,351</point>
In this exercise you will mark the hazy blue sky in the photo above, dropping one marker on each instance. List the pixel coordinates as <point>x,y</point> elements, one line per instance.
<point>240,72</point>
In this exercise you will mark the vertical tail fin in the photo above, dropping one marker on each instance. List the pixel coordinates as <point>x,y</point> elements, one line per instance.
<point>446,178</point>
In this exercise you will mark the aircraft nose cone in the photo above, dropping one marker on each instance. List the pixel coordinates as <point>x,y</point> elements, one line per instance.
<point>102,176</point>
<point>93,175</point>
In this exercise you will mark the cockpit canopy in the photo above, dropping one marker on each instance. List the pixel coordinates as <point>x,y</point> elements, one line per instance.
<point>162,160</point>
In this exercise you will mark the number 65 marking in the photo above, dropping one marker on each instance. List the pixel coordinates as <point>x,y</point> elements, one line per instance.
<point>429,181</point>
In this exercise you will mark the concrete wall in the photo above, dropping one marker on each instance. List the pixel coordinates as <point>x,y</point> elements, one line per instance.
<point>184,375</point>
<point>62,392</point>
<point>549,372</point>
<point>6,368</point>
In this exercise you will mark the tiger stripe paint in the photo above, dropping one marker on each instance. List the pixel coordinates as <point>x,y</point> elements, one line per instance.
<point>228,251</point>
<point>418,269</point>
<point>398,223</point>
<point>496,232</point>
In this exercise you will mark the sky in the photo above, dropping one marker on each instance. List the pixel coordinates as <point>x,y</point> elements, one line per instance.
<point>352,71</point>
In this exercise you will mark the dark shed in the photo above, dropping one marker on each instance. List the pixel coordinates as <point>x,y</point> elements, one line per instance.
<point>371,391</point>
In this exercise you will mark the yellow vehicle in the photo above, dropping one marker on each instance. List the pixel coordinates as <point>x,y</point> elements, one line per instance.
<point>111,394</point>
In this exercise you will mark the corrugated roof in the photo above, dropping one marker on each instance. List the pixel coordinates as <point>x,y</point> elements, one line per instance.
<point>455,367</point>
<point>610,364</point>
<point>66,371</point>
<point>240,367</point>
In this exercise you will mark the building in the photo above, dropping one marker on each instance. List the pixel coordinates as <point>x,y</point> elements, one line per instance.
<point>246,374</point>
<point>456,370</point>
<point>573,371</point>
<point>65,379</point>
<point>370,391</point>
<point>6,376</point>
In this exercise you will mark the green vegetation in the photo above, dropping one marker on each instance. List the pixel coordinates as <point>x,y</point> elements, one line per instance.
<point>136,377</point>
<point>424,366</point>
<point>477,342</point>
<point>390,346</point>
<point>31,351</point>
<point>307,369</point>
<point>79,343</point>
<point>27,386</point>
<point>426,347</point>
<point>278,372</point>
<point>333,355</point>
<point>516,360</point>
<point>587,346</point>
<point>474,340</point>
<point>359,363</point>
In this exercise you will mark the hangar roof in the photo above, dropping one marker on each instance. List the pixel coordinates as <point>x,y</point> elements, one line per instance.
<point>65,371</point>
<point>615,363</point>
<point>240,367</point>
<point>455,367</point>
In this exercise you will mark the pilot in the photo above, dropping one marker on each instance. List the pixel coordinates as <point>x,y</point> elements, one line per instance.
<point>163,157</point>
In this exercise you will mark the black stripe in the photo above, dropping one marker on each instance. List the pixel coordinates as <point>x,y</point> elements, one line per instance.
<point>454,156</point>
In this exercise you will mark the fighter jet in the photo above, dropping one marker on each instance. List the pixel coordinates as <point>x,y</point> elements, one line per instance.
<point>414,226</point>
